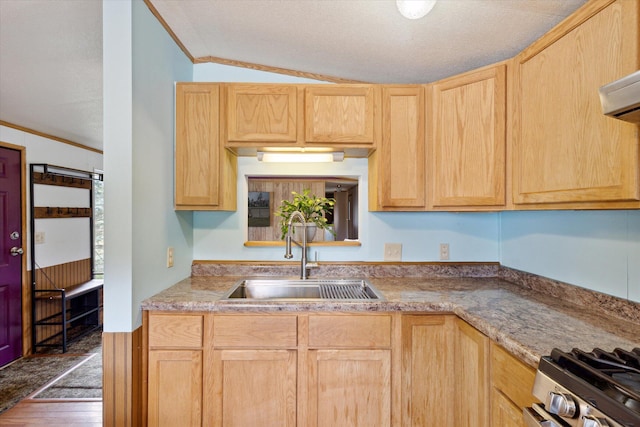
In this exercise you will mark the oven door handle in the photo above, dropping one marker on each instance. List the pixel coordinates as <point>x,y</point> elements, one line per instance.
<point>538,417</point>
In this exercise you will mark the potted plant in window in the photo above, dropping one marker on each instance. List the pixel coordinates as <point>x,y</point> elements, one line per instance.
<point>312,207</point>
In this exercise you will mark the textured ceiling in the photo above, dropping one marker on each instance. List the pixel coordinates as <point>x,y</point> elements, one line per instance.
<point>51,50</point>
<point>365,40</point>
<point>51,67</point>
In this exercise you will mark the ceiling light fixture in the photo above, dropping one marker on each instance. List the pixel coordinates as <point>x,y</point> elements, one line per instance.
<point>415,9</point>
<point>299,157</point>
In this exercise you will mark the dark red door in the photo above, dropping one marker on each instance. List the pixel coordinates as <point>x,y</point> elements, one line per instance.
<point>10,257</point>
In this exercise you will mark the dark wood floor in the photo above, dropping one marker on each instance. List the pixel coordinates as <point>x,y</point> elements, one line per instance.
<point>53,414</point>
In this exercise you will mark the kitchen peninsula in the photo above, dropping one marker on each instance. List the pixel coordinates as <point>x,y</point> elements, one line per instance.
<point>468,330</point>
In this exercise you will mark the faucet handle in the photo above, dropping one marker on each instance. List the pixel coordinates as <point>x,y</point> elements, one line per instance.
<point>288,254</point>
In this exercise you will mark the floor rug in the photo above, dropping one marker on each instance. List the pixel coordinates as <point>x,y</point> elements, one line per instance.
<point>23,377</point>
<point>83,381</point>
<point>28,375</point>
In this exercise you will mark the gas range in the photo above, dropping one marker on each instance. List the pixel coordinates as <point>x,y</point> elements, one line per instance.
<point>587,389</point>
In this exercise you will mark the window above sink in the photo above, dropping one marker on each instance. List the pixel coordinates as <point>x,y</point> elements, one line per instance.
<point>265,195</point>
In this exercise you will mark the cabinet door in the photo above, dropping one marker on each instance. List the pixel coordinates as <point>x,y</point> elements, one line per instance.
<point>503,412</point>
<point>511,377</point>
<point>427,370</point>
<point>175,388</point>
<point>262,113</point>
<point>397,169</point>
<point>511,388</point>
<point>339,115</point>
<point>349,388</point>
<point>197,139</point>
<point>467,156</point>
<point>254,387</point>
<point>205,175</point>
<point>566,150</point>
<point>472,382</point>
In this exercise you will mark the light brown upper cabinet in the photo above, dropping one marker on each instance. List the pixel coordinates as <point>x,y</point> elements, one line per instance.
<point>205,171</point>
<point>262,113</point>
<point>340,115</point>
<point>397,168</point>
<point>566,153</point>
<point>466,155</point>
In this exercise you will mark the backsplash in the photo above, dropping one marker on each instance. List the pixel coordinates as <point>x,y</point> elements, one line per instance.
<point>592,300</point>
<point>345,269</point>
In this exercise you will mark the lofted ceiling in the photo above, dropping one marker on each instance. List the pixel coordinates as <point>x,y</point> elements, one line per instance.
<point>51,50</point>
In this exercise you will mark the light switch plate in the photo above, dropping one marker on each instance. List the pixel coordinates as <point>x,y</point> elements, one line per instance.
<point>393,251</point>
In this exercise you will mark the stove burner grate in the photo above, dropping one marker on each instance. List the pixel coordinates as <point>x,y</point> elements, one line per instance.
<point>609,380</point>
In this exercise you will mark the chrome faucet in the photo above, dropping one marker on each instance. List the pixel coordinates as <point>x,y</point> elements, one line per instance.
<point>304,265</point>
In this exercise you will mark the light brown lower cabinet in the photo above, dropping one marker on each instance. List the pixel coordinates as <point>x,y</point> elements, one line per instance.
<point>254,388</point>
<point>253,371</point>
<point>427,370</point>
<point>511,386</point>
<point>320,369</point>
<point>175,388</point>
<point>445,372</point>
<point>471,376</point>
<point>349,388</point>
<point>504,412</point>
<point>348,370</point>
<point>175,369</point>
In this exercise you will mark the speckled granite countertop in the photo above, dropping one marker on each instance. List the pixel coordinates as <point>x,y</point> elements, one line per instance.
<point>525,321</point>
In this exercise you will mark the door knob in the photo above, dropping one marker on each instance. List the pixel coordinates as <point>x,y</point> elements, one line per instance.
<point>15,251</point>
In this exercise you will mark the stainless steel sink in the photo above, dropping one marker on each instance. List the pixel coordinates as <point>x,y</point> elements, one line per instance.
<point>304,290</point>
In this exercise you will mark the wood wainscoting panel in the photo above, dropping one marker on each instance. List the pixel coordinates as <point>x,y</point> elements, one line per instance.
<point>122,378</point>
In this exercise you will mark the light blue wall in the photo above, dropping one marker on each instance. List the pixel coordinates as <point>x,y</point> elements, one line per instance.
<point>117,84</point>
<point>598,250</point>
<point>209,72</point>
<point>157,63</point>
<point>141,64</point>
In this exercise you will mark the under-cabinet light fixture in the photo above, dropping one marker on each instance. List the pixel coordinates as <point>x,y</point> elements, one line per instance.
<point>299,157</point>
<point>415,9</point>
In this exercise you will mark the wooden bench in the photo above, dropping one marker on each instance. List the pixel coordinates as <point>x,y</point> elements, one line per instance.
<point>72,291</point>
<point>78,307</point>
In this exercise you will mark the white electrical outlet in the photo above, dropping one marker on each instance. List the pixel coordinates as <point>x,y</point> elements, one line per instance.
<point>444,251</point>
<point>169,257</point>
<point>39,237</point>
<point>393,251</point>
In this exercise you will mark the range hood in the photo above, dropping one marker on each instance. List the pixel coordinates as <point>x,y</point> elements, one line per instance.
<point>621,99</point>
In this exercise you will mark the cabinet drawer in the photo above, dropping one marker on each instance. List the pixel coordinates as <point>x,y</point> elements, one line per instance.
<point>349,331</point>
<point>175,330</point>
<point>255,331</point>
<point>512,377</point>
